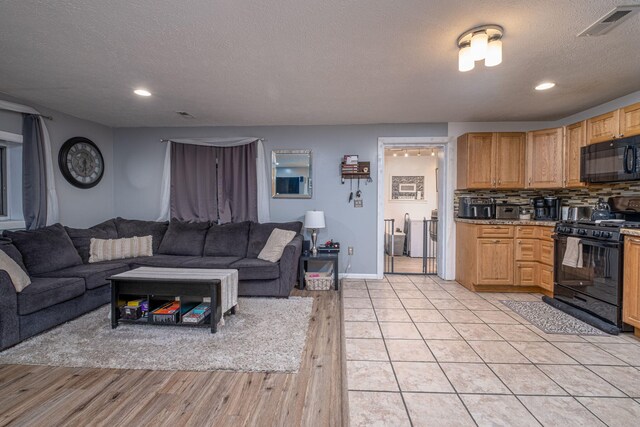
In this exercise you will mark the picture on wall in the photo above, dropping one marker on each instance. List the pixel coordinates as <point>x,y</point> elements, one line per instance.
<point>407,188</point>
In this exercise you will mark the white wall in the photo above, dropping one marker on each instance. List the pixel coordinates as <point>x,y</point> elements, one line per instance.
<point>78,207</point>
<point>425,166</point>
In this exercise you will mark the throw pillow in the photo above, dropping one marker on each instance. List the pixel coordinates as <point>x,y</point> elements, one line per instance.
<point>81,237</point>
<point>9,248</point>
<point>45,249</point>
<point>259,234</point>
<point>138,228</point>
<point>276,243</point>
<point>110,249</point>
<point>18,276</point>
<point>227,239</point>
<point>184,238</point>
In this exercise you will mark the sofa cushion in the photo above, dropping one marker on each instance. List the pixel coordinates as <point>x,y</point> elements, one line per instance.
<point>211,262</point>
<point>160,261</point>
<point>184,238</point>
<point>81,237</point>
<point>259,234</point>
<point>44,292</point>
<point>94,275</point>
<point>134,227</point>
<point>227,239</point>
<point>10,249</point>
<point>18,276</point>
<point>45,249</point>
<point>256,269</point>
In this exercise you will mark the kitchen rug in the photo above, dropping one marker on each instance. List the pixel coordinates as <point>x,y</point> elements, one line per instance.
<point>266,334</point>
<point>551,320</point>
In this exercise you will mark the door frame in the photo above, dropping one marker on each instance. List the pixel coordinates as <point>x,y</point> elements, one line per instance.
<point>445,253</point>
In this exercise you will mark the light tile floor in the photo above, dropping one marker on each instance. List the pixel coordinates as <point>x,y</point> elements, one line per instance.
<point>422,351</point>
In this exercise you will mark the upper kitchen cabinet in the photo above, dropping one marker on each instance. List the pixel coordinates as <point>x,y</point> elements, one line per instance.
<point>491,160</point>
<point>575,138</point>
<point>544,158</point>
<point>614,124</point>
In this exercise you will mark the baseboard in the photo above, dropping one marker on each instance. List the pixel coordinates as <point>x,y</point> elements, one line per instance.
<point>371,276</point>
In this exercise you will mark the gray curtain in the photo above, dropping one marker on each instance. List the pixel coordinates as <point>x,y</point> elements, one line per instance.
<point>34,179</point>
<point>237,183</point>
<point>193,182</point>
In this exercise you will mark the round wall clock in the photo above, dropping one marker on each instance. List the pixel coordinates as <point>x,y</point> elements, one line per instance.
<point>81,162</point>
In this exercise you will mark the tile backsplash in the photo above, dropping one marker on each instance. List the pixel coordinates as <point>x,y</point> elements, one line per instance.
<point>570,196</point>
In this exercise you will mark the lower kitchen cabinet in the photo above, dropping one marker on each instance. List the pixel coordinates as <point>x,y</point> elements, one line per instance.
<point>495,261</point>
<point>631,293</point>
<point>504,257</point>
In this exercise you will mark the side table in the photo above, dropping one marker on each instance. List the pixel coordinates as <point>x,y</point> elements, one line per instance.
<point>304,259</point>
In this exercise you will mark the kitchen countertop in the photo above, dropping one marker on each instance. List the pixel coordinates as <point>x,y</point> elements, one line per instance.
<point>630,232</point>
<point>507,222</point>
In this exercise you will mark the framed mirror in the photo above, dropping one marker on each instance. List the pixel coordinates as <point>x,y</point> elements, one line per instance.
<point>291,174</point>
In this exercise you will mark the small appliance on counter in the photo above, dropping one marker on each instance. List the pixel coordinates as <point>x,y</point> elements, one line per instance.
<point>506,210</point>
<point>546,208</point>
<point>476,208</point>
<point>579,213</point>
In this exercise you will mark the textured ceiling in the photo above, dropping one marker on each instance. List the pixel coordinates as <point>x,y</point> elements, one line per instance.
<point>238,62</point>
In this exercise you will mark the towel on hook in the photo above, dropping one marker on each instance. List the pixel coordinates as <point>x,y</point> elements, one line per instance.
<point>573,253</point>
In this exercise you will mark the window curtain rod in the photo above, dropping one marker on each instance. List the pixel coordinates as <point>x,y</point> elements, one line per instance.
<point>162,141</point>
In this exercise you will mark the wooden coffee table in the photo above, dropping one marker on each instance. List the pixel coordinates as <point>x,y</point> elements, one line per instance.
<point>157,284</point>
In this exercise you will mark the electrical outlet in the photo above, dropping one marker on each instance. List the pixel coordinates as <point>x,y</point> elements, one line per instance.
<point>350,250</point>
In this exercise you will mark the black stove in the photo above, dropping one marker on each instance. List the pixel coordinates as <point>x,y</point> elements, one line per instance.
<point>588,270</point>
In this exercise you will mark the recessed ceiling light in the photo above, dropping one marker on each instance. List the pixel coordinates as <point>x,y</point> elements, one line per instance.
<point>545,86</point>
<point>142,92</point>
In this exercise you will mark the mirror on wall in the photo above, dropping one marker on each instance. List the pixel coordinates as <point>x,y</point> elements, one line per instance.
<point>291,174</point>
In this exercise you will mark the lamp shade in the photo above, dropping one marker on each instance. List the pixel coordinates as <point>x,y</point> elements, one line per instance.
<point>494,53</point>
<point>314,219</point>
<point>479,42</point>
<point>465,61</point>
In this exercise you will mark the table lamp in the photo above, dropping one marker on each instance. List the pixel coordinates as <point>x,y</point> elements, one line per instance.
<point>314,220</point>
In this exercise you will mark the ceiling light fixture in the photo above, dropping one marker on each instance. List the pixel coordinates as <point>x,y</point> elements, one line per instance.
<point>484,42</point>
<point>142,92</point>
<point>419,153</point>
<point>395,154</point>
<point>406,154</point>
<point>545,85</point>
<point>433,153</point>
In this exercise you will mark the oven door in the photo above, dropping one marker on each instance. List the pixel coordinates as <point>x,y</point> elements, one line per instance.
<point>599,276</point>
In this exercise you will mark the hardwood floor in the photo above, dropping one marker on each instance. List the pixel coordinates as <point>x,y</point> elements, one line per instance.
<point>42,395</point>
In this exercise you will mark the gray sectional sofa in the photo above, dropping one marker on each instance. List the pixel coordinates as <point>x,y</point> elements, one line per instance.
<point>64,285</point>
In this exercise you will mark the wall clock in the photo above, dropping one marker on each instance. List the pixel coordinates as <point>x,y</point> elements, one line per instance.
<point>81,162</point>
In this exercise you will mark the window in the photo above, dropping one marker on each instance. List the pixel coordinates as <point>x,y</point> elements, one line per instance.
<point>3,180</point>
<point>11,216</point>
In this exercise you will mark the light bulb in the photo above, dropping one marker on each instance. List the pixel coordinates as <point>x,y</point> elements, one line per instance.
<point>433,153</point>
<point>494,53</point>
<point>395,154</point>
<point>479,43</point>
<point>419,153</point>
<point>465,61</point>
<point>406,154</point>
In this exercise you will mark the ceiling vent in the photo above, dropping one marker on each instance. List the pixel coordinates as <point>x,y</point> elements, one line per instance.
<point>609,21</point>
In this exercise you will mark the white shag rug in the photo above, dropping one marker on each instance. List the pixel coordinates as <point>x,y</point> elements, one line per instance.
<point>266,334</point>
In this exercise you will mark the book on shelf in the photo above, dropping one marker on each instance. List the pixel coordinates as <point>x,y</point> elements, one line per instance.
<point>197,314</point>
<point>167,313</point>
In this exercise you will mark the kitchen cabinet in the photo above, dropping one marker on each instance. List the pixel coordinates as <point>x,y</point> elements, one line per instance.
<point>631,283</point>
<point>575,138</point>
<point>615,124</point>
<point>495,261</point>
<point>544,158</point>
<point>504,257</point>
<point>491,160</point>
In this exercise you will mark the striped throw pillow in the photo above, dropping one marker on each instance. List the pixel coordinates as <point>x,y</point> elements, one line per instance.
<point>110,249</point>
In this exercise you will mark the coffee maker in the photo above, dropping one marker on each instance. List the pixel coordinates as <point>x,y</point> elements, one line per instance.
<point>546,208</point>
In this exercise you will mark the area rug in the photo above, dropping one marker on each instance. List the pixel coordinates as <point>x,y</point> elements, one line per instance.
<point>266,334</point>
<point>551,320</point>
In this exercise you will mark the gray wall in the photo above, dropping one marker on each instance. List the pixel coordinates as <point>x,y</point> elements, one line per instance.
<point>139,155</point>
<point>78,208</point>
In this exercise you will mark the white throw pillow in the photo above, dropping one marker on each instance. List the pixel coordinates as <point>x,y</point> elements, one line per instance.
<point>18,276</point>
<point>110,249</point>
<point>274,247</point>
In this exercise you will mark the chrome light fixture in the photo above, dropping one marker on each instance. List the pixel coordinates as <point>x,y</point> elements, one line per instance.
<point>484,42</point>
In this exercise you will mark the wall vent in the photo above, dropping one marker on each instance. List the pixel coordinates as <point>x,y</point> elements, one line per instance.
<point>609,21</point>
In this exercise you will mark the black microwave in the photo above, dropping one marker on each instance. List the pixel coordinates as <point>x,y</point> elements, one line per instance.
<point>611,161</point>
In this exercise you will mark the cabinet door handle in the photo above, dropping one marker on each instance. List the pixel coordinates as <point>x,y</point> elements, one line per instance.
<point>621,135</point>
<point>635,241</point>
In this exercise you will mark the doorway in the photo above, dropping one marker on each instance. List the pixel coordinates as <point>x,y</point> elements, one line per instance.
<point>412,205</point>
